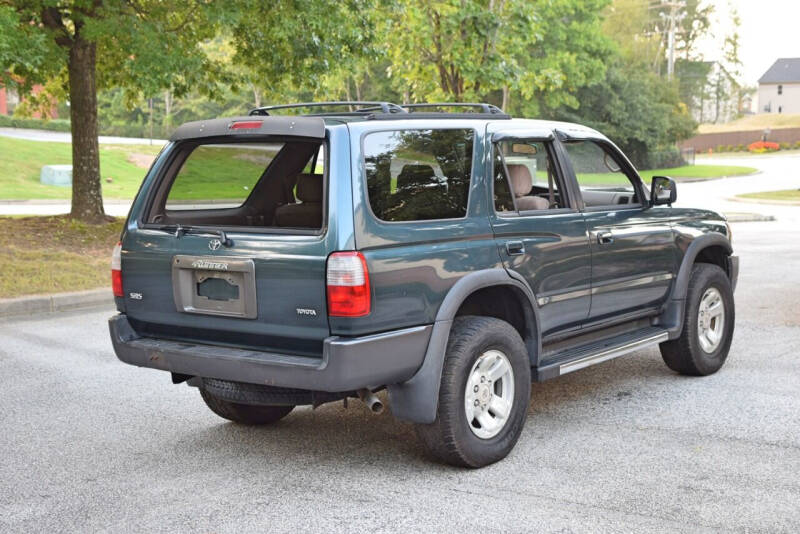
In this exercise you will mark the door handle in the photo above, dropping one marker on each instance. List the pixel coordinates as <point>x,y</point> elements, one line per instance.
<point>515,248</point>
<point>605,238</point>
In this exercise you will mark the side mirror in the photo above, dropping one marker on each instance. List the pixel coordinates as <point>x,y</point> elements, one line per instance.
<point>663,191</point>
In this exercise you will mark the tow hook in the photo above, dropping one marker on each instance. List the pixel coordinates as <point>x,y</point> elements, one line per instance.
<point>373,403</point>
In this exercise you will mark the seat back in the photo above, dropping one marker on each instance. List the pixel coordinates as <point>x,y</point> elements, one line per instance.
<point>308,212</point>
<point>521,185</point>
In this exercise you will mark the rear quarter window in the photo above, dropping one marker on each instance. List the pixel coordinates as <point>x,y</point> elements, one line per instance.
<point>418,175</point>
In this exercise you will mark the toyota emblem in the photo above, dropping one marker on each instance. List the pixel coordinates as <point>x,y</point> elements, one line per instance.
<point>214,244</point>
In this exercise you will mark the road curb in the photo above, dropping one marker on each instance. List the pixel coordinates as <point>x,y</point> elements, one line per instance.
<point>747,217</point>
<point>764,201</point>
<point>695,179</point>
<point>34,304</point>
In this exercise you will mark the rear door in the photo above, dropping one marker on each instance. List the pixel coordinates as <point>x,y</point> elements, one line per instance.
<point>540,233</point>
<point>633,247</point>
<point>204,257</point>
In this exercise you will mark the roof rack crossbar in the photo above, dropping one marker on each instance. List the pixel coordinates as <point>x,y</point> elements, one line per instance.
<point>484,107</point>
<point>383,107</point>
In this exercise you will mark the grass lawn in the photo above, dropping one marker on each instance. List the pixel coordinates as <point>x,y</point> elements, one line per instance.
<point>687,171</point>
<point>699,171</point>
<point>791,195</point>
<point>54,254</point>
<point>21,162</point>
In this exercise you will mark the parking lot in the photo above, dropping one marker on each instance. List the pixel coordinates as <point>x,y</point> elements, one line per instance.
<point>90,444</point>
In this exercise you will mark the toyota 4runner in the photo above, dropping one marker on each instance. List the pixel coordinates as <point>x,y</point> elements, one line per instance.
<point>276,260</point>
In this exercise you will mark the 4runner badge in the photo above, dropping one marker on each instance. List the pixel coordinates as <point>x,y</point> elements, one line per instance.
<point>210,265</point>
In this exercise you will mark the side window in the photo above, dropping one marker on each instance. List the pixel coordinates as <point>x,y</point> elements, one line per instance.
<point>525,177</point>
<point>418,175</point>
<point>599,175</point>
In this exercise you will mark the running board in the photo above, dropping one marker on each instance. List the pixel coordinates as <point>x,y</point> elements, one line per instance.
<point>574,358</point>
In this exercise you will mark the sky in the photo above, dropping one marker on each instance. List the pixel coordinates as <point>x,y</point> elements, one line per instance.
<point>770,29</point>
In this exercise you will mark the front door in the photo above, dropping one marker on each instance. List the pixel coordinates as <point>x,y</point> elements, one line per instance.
<point>539,232</point>
<point>632,244</point>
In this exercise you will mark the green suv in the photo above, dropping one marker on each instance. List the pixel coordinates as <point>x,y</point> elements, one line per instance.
<point>277,259</point>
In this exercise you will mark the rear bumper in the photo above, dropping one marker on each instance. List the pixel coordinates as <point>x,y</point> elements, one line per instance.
<point>347,364</point>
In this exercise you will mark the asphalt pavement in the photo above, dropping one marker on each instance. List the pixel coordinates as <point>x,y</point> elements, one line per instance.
<point>90,444</point>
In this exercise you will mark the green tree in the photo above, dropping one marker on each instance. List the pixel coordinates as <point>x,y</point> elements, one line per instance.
<point>302,48</point>
<point>463,50</point>
<point>635,108</point>
<point>142,46</point>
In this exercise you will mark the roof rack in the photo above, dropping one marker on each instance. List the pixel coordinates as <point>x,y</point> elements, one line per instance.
<point>484,108</point>
<point>373,110</point>
<point>366,107</point>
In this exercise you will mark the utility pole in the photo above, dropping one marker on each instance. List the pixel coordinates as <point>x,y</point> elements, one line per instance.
<point>673,26</point>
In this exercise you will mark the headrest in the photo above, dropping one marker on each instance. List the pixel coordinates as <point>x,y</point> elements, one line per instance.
<point>521,181</point>
<point>414,175</point>
<point>309,187</point>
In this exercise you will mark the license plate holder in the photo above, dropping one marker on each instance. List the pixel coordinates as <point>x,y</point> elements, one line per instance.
<point>214,285</point>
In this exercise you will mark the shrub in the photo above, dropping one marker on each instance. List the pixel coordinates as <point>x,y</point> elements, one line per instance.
<point>797,144</point>
<point>720,148</point>
<point>740,148</point>
<point>56,125</point>
<point>759,147</point>
<point>785,146</point>
<point>62,125</point>
<point>665,158</point>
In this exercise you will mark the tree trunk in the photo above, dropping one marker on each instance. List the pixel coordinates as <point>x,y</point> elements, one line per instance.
<point>87,194</point>
<point>167,109</point>
<point>256,95</point>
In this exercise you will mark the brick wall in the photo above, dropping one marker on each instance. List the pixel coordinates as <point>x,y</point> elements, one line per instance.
<point>702,142</point>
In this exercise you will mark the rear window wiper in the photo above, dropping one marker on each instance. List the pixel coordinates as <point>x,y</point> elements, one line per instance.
<point>179,231</point>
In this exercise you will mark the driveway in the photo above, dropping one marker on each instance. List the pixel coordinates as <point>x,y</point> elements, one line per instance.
<point>90,444</point>
<point>776,172</point>
<point>66,137</point>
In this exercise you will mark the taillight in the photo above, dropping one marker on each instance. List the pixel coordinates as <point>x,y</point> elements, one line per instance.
<point>245,125</point>
<point>348,285</point>
<point>116,270</point>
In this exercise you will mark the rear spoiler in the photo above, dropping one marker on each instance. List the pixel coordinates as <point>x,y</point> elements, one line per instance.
<point>313,127</point>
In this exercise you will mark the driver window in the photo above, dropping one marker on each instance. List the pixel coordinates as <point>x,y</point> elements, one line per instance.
<point>599,176</point>
<point>524,177</point>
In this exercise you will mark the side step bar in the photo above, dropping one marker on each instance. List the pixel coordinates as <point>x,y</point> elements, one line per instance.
<point>574,358</point>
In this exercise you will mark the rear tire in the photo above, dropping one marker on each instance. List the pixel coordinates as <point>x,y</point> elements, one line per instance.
<point>708,324</point>
<point>245,414</point>
<point>484,394</point>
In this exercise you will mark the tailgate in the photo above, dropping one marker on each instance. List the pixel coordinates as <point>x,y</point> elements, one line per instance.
<point>262,293</point>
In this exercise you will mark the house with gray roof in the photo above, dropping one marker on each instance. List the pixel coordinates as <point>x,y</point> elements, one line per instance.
<point>779,87</point>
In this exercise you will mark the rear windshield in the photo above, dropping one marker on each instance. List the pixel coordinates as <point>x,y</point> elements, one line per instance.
<point>417,175</point>
<point>219,176</point>
<point>274,184</point>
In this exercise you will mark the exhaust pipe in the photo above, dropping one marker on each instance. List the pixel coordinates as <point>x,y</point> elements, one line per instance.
<point>373,403</point>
